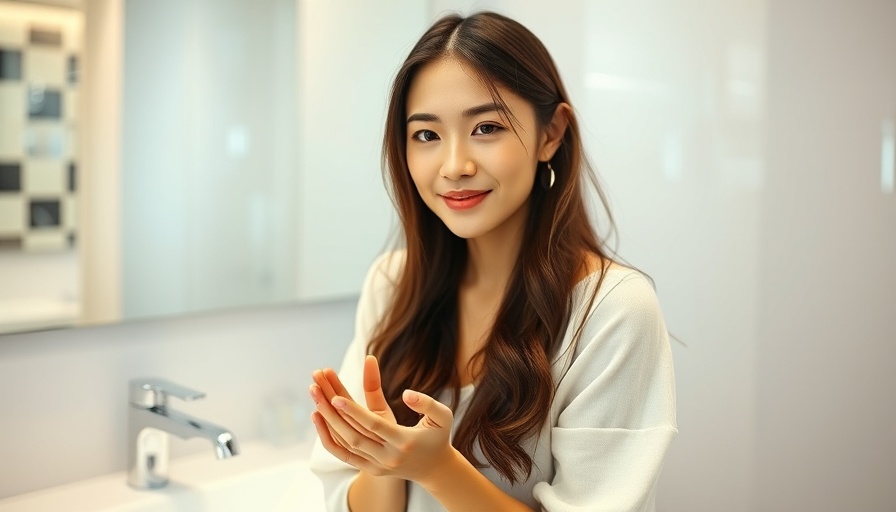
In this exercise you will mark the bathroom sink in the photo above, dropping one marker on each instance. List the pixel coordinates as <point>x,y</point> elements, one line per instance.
<point>262,478</point>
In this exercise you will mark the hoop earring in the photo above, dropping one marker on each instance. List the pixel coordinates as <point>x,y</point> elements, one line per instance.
<point>548,177</point>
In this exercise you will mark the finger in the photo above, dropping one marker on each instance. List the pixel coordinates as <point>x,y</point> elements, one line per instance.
<point>327,435</point>
<point>326,386</point>
<point>323,429</point>
<point>318,396</point>
<point>336,383</point>
<point>370,421</point>
<point>373,390</point>
<point>354,459</point>
<point>435,414</point>
<point>338,440</point>
<point>335,436</point>
<point>328,441</point>
<point>356,440</point>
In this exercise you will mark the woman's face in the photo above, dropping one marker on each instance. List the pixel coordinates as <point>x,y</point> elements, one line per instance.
<point>469,165</point>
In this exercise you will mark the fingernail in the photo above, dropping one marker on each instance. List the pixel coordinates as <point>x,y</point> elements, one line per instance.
<point>338,403</point>
<point>314,393</point>
<point>411,396</point>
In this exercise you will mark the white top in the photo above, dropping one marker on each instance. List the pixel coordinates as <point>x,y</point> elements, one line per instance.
<point>613,414</point>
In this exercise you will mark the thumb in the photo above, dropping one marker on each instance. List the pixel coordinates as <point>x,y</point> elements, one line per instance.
<point>373,390</point>
<point>435,414</point>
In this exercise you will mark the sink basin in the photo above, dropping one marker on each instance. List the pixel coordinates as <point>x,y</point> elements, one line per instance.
<point>262,478</point>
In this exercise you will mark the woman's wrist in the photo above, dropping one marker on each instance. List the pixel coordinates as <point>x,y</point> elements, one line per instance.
<point>444,472</point>
<point>455,483</point>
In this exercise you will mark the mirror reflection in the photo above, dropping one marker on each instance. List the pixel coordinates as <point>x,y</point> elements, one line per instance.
<point>165,157</point>
<point>40,56</point>
<point>208,155</point>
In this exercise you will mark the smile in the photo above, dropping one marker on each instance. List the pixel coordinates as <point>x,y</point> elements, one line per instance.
<point>464,199</point>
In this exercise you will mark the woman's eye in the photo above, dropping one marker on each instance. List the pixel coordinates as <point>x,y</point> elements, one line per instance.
<point>425,135</point>
<point>487,129</point>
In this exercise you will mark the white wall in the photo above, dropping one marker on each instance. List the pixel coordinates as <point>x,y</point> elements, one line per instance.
<point>63,393</point>
<point>826,337</point>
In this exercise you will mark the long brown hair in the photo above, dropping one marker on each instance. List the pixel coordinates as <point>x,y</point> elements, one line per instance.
<point>416,341</point>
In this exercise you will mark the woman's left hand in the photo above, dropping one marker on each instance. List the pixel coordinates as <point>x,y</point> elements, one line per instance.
<point>384,448</point>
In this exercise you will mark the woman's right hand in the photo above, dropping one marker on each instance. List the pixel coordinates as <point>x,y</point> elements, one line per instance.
<point>367,492</point>
<point>327,386</point>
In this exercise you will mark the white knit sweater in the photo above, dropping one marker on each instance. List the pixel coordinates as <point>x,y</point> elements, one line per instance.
<point>613,414</point>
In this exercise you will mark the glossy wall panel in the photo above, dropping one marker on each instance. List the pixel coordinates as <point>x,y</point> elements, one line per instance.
<point>674,99</point>
<point>825,344</point>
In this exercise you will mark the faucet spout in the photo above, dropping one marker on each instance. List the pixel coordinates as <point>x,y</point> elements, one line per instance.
<point>187,427</point>
<point>150,420</point>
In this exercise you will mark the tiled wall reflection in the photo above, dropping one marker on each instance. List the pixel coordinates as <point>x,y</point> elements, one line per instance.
<point>39,55</point>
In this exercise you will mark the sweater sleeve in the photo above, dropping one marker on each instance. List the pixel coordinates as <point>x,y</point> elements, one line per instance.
<point>335,475</point>
<point>614,409</point>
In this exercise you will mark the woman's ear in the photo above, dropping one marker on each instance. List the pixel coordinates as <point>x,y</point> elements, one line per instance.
<point>552,135</point>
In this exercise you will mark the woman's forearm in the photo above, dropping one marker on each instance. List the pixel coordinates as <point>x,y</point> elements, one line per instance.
<point>370,493</point>
<point>460,487</point>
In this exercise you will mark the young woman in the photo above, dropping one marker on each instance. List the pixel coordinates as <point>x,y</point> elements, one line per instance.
<point>502,360</point>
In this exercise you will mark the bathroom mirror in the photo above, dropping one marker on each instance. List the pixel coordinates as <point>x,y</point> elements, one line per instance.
<point>218,154</point>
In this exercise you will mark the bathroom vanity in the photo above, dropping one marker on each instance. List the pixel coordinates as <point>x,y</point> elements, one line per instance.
<point>263,478</point>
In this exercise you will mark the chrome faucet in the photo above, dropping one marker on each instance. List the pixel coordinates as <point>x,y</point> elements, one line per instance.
<point>150,420</point>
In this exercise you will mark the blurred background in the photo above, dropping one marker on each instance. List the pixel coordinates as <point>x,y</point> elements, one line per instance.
<point>192,190</point>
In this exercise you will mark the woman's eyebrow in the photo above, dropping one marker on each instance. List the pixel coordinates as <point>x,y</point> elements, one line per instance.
<point>481,109</point>
<point>470,112</point>
<point>431,118</point>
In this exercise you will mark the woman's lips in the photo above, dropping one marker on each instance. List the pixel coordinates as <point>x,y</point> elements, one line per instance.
<point>464,199</point>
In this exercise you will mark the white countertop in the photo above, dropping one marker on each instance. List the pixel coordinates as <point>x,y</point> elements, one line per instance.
<point>261,478</point>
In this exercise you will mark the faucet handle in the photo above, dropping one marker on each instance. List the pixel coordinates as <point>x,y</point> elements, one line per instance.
<point>154,392</point>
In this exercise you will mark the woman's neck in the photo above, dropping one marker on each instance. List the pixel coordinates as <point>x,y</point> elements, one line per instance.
<point>492,258</point>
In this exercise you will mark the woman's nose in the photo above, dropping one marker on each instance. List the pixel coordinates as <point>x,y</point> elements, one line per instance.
<point>457,164</point>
